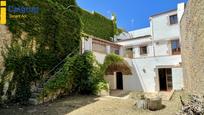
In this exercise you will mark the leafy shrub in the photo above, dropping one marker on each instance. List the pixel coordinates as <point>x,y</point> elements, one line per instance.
<point>80,74</point>
<point>111,59</point>
<point>101,86</point>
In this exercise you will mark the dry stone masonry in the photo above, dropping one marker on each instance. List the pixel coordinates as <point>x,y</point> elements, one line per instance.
<point>192,34</point>
<point>5,39</point>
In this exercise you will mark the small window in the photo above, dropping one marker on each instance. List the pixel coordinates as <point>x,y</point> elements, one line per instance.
<point>175,47</point>
<point>129,52</point>
<point>173,19</point>
<point>143,50</point>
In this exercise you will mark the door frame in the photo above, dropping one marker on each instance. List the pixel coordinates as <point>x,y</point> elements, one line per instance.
<point>166,86</point>
<point>116,77</point>
<point>157,85</point>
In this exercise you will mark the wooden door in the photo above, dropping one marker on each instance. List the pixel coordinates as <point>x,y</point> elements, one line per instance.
<point>169,79</point>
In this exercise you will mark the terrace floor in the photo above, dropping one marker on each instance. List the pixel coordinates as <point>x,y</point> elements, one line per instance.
<point>92,105</point>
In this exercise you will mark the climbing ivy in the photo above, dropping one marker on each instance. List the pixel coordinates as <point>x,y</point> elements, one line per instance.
<point>97,25</point>
<point>40,41</point>
<point>80,74</point>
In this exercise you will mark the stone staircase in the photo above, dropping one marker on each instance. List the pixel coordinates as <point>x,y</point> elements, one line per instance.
<point>33,100</point>
<point>38,90</point>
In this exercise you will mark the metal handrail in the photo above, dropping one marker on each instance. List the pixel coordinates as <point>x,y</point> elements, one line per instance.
<point>44,80</point>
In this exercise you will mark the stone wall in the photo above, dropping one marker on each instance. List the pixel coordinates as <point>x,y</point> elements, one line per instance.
<point>5,38</point>
<point>192,33</point>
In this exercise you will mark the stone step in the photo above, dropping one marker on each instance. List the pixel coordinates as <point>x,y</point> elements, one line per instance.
<point>33,101</point>
<point>35,95</point>
<point>38,90</point>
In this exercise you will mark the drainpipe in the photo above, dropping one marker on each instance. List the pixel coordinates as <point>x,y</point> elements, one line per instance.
<point>152,32</point>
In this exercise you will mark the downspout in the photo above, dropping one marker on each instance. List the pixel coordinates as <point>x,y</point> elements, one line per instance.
<point>152,28</point>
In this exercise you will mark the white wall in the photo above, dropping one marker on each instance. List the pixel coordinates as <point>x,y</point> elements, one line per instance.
<point>131,83</point>
<point>162,48</point>
<point>161,28</point>
<point>140,32</point>
<point>180,10</point>
<point>111,80</point>
<point>146,69</point>
<point>177,77</point>
<point>99,57</point>
<point>136,43</point>
<point>86,44</point>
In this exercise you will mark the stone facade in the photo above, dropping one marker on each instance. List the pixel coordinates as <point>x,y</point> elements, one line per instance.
<point>5,38</point>
<point>192,33</point>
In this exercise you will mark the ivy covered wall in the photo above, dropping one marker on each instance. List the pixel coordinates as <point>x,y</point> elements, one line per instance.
<point>97,25</point>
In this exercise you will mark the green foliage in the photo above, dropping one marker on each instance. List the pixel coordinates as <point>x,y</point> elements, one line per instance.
<point>21,62</point>
<point>50,36</point>
<point>101,86</point>
<point>97,25</point>
<point>120,30</point>
<point>63,80</point>
<point>111,59</point>
<point>80,74</point>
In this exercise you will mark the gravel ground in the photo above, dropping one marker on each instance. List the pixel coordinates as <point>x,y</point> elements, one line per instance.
<point>91,105</point>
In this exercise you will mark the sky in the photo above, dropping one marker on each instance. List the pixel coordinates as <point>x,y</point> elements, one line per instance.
<point>131,14</point>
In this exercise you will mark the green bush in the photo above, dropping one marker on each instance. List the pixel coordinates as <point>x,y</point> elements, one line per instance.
<point>80,74</point>
<point>101,86</point>
<point>111,59</point>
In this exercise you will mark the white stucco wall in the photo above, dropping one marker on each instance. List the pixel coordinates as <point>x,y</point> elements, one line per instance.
<point>140,32</point>
<point>88,44</point>
<point>177,77</point>
<point>161,28</point>
<point>146,69</point>
<point>135,42</point>
<point>111,80</point>
<point>162,48</point>
<point>130,82</point>
<point>180,10</point>
<point>100,57</point>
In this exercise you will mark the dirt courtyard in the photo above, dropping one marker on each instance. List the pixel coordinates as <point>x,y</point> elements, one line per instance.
<point>92,105</point>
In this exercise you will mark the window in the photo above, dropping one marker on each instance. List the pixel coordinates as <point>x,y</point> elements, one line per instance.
<point>98,46</point>
<point>175,47</point>
<point>173,19</point>
<point>129,52</point>
<point>115,50</point>
<point>143,50</point>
